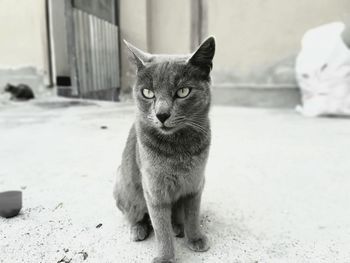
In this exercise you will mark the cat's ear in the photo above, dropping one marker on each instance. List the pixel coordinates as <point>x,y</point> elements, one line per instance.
<point>203,56</point>
<point>137,56</point>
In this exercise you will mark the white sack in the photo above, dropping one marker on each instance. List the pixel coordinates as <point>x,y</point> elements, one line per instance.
<point>323,72</point>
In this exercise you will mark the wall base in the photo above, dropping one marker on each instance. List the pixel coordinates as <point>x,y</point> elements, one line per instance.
<point>256,96</point>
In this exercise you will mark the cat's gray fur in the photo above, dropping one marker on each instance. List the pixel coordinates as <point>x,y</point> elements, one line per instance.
<point>162,169</point>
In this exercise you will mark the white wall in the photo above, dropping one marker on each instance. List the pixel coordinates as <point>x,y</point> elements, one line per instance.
<point>169,26</point>
<point>133,28</point>
<point>253,35</point>
<point>23,34</point>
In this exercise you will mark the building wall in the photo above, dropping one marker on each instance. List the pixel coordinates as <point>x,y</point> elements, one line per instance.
<point>169,26</point>
<point>133,28</point>
<point>60,59</point>
<point>23,34</point>
<point>23,46</point>
<point>258,40</point>
<point>156,26</point>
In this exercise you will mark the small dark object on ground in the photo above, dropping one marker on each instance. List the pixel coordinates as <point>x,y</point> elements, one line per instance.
<point>64,260</point>
<point>99,225</point>
<point>104,127</point>
<point>66,250</point>
<point>20,92</point>
<point>84,254</point>
<point>60,205</point>
<point>10,203</point>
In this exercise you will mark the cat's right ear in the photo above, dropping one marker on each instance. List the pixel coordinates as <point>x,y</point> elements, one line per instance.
<point>137,56</point>
<point>203,56</point>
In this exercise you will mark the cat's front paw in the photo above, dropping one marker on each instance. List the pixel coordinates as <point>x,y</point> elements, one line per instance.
<point>199,244</point>
<point>163,260</point>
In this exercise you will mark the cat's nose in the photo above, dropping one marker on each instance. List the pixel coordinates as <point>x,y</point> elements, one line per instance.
<point>162,116</point>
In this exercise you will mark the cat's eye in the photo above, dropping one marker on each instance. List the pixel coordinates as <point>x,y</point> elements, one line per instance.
<point>147,93</point>
<point>183,92</point>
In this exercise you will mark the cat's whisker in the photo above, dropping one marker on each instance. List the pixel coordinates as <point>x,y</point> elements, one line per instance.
<point>179,118</point>
<point>197,127</point>
<point>201,127</point>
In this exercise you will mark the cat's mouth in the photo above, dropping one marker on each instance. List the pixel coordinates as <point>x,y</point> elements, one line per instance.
<point>166,128</point>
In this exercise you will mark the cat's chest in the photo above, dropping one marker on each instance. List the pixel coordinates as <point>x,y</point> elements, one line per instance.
<point>170,177</point>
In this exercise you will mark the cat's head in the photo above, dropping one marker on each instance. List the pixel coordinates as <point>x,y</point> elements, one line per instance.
<point>173,92</point>
<point>9,88</point>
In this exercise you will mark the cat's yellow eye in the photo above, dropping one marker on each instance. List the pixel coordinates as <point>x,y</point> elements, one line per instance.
<point>183,92</point>
<point>147,93</point>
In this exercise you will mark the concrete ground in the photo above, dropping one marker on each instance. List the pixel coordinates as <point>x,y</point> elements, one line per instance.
<point>277,186</point>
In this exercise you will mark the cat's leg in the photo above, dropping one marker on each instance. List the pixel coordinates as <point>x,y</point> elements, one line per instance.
<point>137,215</point>
<point>196,240</point>
<point>160,214</point>
<point>177,218</point>
<point>130,200</point>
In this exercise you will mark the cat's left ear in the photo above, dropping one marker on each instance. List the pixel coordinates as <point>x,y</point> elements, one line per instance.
<point>137,56</point>
<point>203,57</point>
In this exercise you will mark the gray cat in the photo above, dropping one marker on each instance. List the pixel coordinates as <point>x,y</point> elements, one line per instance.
<point>161,177</point>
